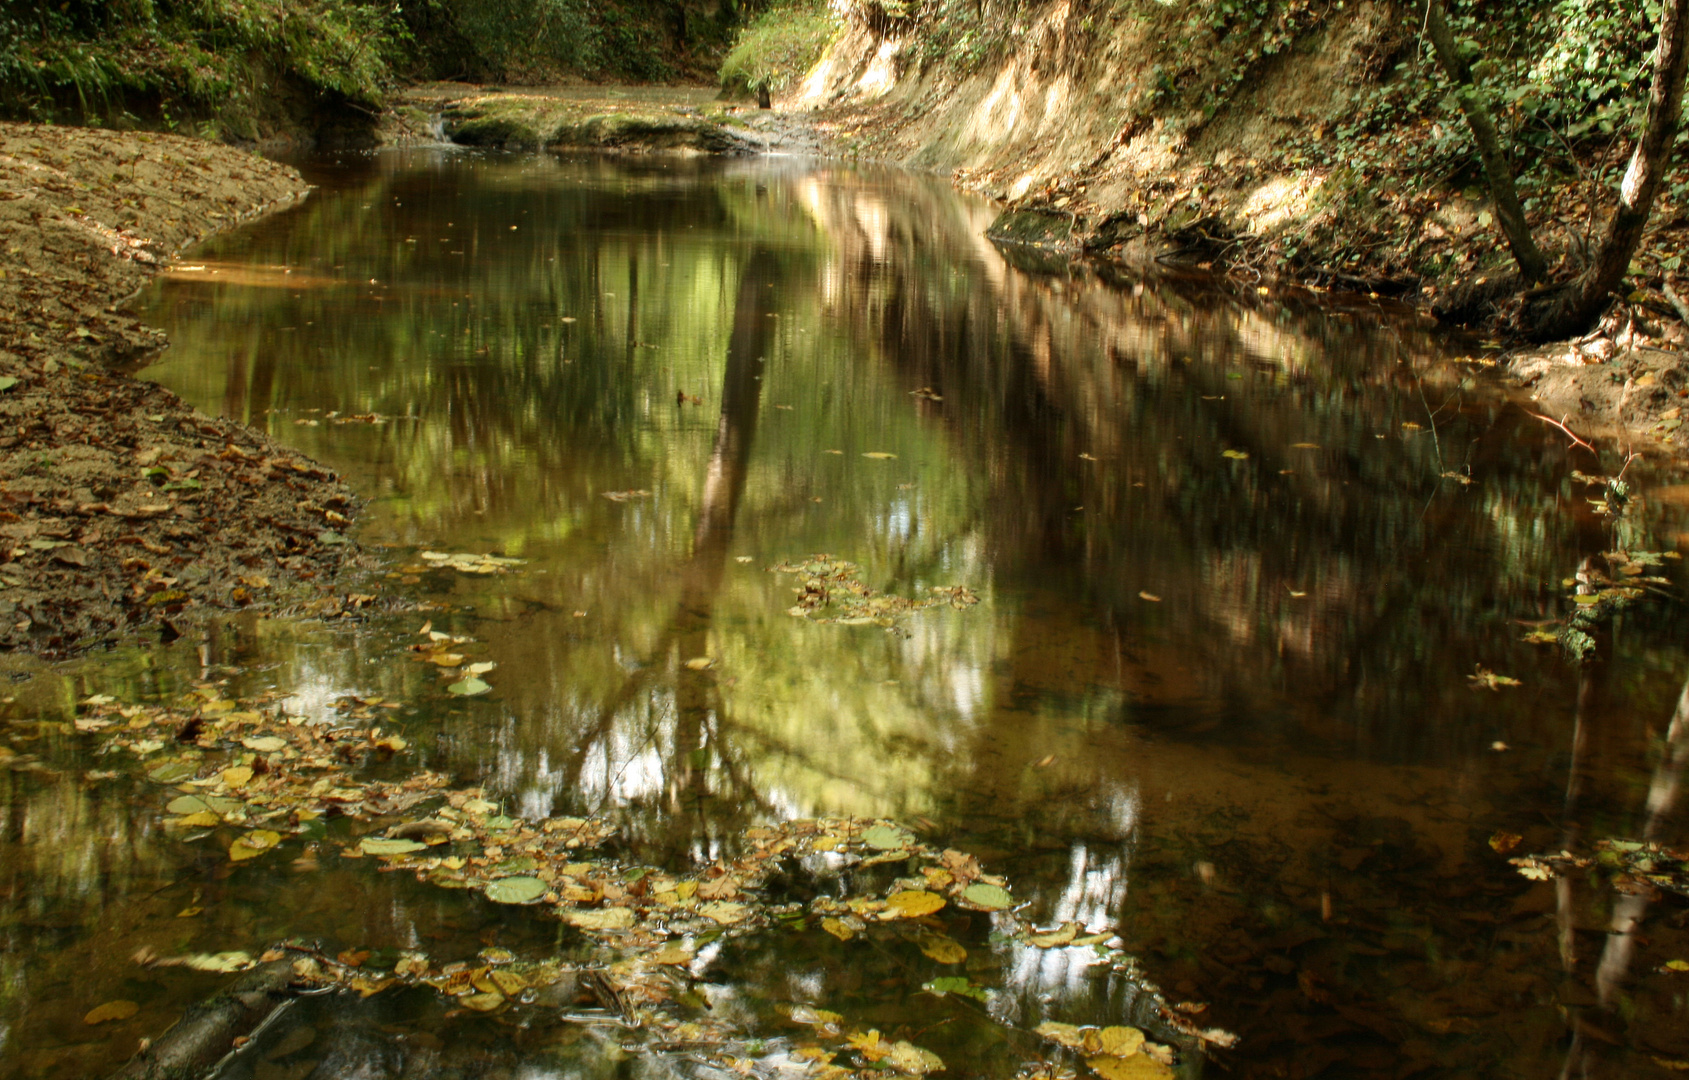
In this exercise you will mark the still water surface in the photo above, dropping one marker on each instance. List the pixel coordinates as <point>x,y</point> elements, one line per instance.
<point>1217,704</point>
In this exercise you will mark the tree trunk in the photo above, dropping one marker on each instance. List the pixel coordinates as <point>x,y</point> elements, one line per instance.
<point>1576,309</point>
<point>1497,169</point>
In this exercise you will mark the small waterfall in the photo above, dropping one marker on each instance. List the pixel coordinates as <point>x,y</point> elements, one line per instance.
<point>437,127</point>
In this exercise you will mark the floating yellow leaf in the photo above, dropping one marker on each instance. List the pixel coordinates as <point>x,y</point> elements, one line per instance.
<point>912,904</point>
<point>1136,1067</point>
<point>204,819</point>
<point>869,1043</point>
<point>253,844</point>
<point>1055,938</point>
<point>1503,842</point>
<point>237,776</point>
<point>944,950</point>
<point>509,982</point>
<point>111,1010</point>
<point>725,912</point>
<point>699,663</point>
<point>1151,597</point>
<point>1121,1041</point>
<point>1235,455</point>
<point>913,1060</point>
<point>878,455</point>
<point>675,953</point>
<point>838,928</point>
<point>265,744</point>
<point>481,1002</point>
<point>1677,965</point>
<point>616,918</point>
<point>1067,1035</point>
<point>1304,446</point>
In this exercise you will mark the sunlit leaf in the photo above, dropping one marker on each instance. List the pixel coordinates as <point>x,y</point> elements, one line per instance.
<point>375,845</point>
<point>187,804</point>
<point>913,903</point>
<point>1677,965</point>
<point>990,897</point>
<point>886,838</point>
<point>1055,938</point>
<point>237,776</point>
<point>516,890</point>
<point>838,928</point>
<point>468,687</point>
<point>485,1002</point>
<point>1235,455</point>
<point>699,663</point>
<point>1067,1035</point>
<point>222,963</point>
<point>265,744</point>
<point>1121,1041</point>
<point>1136,1067</point>
<point>203,819</point>
<point>111,1010</point>
<point>615,918</point>
<point>253,844</point>
<point>913,1060</point>
<point>725,912</point>
<point>878,455</point>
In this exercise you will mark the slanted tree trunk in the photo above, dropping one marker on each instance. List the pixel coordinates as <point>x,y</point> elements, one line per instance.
<point>1577,308</point>
<point>1497,169</point>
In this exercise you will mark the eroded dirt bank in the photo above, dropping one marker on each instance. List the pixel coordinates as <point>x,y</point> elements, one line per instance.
<point>1306,157</point>
<point>121,507</point>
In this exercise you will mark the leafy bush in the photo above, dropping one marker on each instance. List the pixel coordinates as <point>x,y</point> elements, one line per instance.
<point>777,48</point>
<point>207,57</point>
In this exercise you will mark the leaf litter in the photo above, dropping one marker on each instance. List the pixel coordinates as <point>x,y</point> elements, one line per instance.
<point>246,771</point>
<point>832,591</point>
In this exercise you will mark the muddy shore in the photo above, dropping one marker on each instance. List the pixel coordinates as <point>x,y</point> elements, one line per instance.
<point>122,510</point>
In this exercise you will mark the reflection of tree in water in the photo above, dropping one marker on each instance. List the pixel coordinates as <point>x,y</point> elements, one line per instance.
<point>1406,572</point>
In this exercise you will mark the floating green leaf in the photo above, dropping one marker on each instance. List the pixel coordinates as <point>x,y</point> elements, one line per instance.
<point>955,984</point>
<point>516,890</point>
<point>187,804</point>
<point>468,687</point>
<point>990,897</point>
<point>371,845</point>
<point>171,772</point>
<point>886,838</point>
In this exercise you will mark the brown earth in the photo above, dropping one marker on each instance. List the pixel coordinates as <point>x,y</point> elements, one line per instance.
<point>1077,133</point>
<point>120,506</point>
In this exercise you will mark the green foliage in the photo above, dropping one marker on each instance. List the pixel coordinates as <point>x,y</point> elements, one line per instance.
<point>536,40</point>
<point>777,48</point>
<point>209,57</point>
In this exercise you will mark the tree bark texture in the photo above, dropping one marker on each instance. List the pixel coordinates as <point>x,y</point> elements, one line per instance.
<point>1576,309</point>
<point>209,1028</point>
<point>1497,169</point>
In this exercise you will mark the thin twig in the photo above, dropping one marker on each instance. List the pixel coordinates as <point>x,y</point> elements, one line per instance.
<point>1575,440</point>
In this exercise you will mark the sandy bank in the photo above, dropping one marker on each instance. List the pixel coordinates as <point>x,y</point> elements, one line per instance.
<point>121,507</point>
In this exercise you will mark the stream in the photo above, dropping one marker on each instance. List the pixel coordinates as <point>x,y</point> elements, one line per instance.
<point>1242,563</point>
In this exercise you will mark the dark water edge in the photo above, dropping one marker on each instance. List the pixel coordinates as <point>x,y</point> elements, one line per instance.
<point>1218,704</point>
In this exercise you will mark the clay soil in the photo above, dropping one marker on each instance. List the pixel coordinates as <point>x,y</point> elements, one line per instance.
<point>122,509</point>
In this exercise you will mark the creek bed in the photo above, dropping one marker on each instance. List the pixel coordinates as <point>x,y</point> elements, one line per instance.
<point>1241,569</point>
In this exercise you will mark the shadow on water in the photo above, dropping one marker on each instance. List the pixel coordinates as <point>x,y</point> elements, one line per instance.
<point>1237,561</point>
